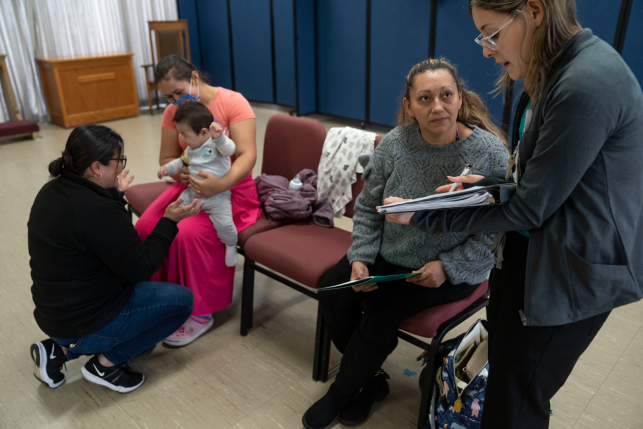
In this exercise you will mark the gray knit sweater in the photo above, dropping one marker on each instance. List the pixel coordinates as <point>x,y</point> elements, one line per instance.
<point>404,165</point>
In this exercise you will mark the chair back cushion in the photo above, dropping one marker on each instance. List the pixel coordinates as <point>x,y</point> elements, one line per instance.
<point>292,144</point>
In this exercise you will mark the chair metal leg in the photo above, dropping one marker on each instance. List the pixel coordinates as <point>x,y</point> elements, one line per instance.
<point>149,100</point>
<point>322,350</point>
<point>325,357</point>
<point>247,297</point>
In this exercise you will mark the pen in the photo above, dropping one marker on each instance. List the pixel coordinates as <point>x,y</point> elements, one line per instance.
<point>464,173</point>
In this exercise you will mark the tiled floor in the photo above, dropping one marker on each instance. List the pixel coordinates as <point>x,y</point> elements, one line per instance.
<point>262,381</point>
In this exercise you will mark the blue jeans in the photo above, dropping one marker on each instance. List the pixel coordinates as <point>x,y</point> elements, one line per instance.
<point>154,312</point>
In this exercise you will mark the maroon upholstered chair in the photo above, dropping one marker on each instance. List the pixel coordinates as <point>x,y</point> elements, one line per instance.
<point>272,248</point>
<point>290,145</point>
<point>303,252</point>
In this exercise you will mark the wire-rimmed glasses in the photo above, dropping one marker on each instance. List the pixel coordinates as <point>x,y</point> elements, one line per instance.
<point>486,42</point>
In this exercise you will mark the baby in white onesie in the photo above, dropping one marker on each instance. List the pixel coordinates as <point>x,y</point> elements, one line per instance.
<point>208,150</point>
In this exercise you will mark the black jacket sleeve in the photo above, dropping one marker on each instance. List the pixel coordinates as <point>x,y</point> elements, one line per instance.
<point>109,233</point>
<point>495,177</point>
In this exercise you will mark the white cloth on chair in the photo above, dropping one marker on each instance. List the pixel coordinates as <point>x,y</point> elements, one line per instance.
<point>338,166</point>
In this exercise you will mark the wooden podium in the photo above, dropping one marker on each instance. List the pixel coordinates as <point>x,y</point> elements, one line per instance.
<point>90,88</point>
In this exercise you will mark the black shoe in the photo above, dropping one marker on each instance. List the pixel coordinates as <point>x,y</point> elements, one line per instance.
<point>357,411</point>
<point>120,377</point>
<point>323,412</point>
<point>50,359</point>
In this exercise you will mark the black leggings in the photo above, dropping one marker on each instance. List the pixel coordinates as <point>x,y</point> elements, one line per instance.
<point>386,307</point>
<point>527,364</point>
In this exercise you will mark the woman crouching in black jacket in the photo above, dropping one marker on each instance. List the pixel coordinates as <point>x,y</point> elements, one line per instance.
<point>90,268</point>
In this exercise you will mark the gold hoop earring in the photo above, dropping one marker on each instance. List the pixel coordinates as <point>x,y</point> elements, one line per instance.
<point>96,175</point>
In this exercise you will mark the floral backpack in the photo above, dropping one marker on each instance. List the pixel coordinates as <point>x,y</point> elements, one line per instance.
<point>462,381</point>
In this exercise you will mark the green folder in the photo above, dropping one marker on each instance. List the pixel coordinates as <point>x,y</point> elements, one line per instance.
<point>368,280</point>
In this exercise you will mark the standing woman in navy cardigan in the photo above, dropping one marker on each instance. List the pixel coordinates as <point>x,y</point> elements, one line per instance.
<point>573,229</point>
<point>91,270</point>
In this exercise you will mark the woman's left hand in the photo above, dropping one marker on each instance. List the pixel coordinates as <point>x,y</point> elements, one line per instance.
<point>401,218</point>
<point>433,275</point>
<point>210,186</point>
<point>124,181</point>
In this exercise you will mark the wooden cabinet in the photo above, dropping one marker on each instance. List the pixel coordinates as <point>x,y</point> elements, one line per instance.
<point>90,88</point>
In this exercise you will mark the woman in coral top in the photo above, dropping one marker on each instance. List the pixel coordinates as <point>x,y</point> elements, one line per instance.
<point>196,257</point>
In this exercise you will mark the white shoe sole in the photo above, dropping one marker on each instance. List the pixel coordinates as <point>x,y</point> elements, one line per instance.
<point>187,341</point>
<point>97,380</point>
<point>40,358</point>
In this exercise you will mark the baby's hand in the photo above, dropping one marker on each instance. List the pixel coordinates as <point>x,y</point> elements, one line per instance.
<point>215,130</point>
<point>162,172</point>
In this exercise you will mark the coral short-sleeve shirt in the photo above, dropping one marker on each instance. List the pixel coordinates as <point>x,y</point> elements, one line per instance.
<point>227,108</point>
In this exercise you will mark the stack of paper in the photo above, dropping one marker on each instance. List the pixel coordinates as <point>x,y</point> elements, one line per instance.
<point>472,197</point>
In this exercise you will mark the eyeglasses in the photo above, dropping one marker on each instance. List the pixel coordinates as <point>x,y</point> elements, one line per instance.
<point>486,42</point>
<point>122,160</point>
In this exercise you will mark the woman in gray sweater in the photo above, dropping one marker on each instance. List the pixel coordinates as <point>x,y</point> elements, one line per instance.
<point>572,251</point>
<point>443,128</point>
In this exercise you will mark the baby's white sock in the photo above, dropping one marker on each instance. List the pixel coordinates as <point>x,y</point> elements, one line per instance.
<point>231,255</point>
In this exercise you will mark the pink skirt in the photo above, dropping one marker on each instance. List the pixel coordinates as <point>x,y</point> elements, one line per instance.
<point>197,257</point>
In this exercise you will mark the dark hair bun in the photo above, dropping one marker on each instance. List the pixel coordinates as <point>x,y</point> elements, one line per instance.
<point>65,161</point>
<point>56,167</point>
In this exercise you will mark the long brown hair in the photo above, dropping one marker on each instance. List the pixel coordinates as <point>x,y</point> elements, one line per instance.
<point>559,26</point>
<point>472,111</point>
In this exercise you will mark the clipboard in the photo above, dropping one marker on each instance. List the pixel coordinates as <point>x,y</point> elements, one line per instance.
<point>369,280</point>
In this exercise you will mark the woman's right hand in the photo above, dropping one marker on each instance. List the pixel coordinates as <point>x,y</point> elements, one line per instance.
<point>177,213</point>
<point>360,271</point>
<point>185,175</point>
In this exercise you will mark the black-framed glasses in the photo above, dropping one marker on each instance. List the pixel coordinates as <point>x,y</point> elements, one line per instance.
<point>122,160</point>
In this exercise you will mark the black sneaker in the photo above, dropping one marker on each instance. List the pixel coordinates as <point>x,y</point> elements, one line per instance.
<point>49,358</point>
<point>120,378</point>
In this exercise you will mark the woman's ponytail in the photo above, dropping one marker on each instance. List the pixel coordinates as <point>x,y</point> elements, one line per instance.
<point>473,111</point>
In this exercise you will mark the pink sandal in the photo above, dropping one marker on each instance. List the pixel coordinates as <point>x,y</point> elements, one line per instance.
<point>192,329</point>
